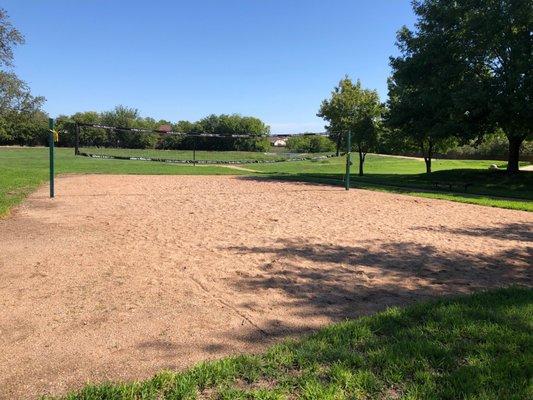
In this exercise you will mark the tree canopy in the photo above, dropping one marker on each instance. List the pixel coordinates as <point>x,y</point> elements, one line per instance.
<point>356,111</point>
<point>465,71</point>
<point>126,117</point>
<point>21,119</point>
<point>9,38</point>
<point>310,143</point>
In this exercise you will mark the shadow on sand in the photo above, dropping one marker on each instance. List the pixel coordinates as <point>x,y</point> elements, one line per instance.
<point>339,282</point>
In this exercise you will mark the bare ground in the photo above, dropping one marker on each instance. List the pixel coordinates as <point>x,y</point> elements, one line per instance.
<point>122,276</point>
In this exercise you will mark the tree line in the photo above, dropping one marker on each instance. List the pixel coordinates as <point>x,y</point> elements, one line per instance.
<point>464,73</point>
<point>310,143</point>
<point>125,117</point>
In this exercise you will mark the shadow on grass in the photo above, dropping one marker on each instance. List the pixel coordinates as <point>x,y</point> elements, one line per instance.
<point>495,184</point>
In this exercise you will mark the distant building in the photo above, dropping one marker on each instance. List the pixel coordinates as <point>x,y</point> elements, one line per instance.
<point>278,140</point>
<point>165,128</point>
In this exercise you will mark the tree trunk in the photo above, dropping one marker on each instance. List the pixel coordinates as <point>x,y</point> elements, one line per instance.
<point>428,155</point>
<point>514,154</point>
<point>361,161</point>
<point>427,160</point>
<point>338,144</point>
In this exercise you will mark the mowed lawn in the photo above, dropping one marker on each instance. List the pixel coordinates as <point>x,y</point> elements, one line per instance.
<point>23,169</point>
<point>474,347</point>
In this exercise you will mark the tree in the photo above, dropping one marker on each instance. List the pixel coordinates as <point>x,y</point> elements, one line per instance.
<point>310,143</point>
<point>482,61</point>
<point>184,126</point>
<point>391,139</point>
<point>17,110</point>
<point>420,105</point>
<point>127,117</point>
<point>233,124</point>
<point>15,95</point>
<point>416,115</point>
<point>9,38</point>
<point>21,119</point>
<point>353,110</point>
<point>66,125</point>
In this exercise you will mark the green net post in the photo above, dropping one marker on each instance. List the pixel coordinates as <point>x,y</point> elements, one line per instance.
<point>77,142</point>
<point>348,160</point>
<point>194,152</point>
<point>51,146</point>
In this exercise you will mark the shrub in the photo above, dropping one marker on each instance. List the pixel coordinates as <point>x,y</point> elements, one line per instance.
<point>493,147</point>
<point>170,142</point>
<point>310,144</point>
<point>24,129</point>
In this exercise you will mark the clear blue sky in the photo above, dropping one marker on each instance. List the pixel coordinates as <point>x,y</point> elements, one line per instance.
<point>175,60</point>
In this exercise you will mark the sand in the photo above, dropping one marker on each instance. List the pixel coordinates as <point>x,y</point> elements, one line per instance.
<point>122,276</point>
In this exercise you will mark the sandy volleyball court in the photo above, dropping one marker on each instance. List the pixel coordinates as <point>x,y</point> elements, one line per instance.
<point>122,276</point>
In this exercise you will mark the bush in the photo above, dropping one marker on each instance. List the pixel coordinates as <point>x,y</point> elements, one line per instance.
<point>310,144</point>
<point>493,147</point>
<point>24,129</point>
<point>136,140</point>
<point>170,142</point>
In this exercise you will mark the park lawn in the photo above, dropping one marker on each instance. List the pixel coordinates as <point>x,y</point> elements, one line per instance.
<point>470,347</point>
<point>23,169</point>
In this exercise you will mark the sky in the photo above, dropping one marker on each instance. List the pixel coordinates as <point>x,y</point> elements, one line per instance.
<point>182,60</point>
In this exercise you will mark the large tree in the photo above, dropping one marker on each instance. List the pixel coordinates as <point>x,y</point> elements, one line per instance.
<point>9,38</point>
<point>127,117</point>
<point>231,124</point>
<point>15,96</point>
<point>419,108</point>
<point>21,118</point>
<point>355,111</point>
<point>479,61</point>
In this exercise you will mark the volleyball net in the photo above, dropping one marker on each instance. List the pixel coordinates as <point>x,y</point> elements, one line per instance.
<point>164,145</point>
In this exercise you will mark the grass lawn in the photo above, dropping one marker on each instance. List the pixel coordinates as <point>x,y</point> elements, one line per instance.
<point>472,347</point>
<point>24,169</point>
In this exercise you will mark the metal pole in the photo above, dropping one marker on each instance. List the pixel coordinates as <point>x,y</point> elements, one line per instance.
<point>348,160</point>
<point>194,152</point>
<point>77,143</point>
<point>51,146</point>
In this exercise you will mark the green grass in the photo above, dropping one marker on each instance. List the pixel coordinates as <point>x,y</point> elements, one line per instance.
<point>24,169</point>
<point>472,347</point>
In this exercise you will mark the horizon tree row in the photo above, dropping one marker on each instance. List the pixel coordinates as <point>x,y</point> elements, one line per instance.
<point>126,117</point>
